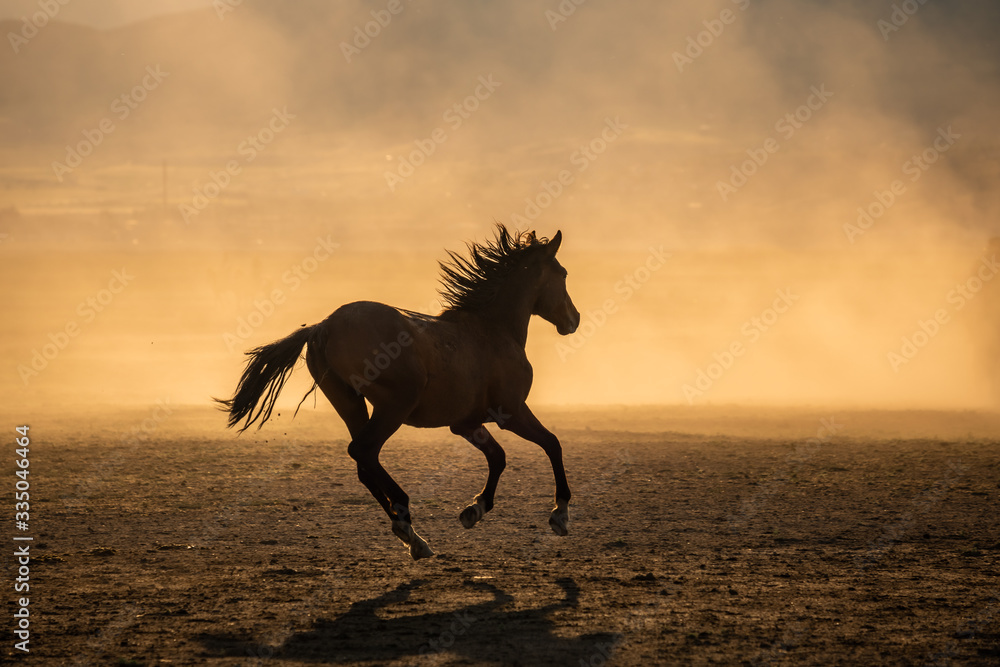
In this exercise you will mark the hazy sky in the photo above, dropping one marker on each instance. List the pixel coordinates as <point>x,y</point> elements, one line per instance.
<point>103,13</point>
<point>845,153</point>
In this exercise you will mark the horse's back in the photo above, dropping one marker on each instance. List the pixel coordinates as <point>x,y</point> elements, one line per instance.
<point>398,358</point>
<point>366,316</point>
<point>367,339</point>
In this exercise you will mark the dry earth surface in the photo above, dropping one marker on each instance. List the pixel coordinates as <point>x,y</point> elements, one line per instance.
<point>697,536</point>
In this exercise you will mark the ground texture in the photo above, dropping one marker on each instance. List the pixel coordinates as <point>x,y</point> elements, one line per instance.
<point>695,538</point>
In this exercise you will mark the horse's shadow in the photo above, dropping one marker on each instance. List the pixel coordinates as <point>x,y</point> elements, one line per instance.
<point>485,632</point>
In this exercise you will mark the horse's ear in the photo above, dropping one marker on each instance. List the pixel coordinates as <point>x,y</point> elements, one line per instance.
<point>553,245</point>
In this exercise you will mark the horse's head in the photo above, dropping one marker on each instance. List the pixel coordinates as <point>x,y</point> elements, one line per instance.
<point>553,303</point>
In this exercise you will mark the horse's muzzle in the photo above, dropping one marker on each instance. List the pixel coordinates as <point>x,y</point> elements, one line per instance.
<point>571,326</point>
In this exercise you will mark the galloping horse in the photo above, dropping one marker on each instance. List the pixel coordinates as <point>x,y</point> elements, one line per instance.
<point>463,368</point>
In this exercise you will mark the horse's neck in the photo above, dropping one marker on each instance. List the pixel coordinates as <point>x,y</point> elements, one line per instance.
<point>509,315</point>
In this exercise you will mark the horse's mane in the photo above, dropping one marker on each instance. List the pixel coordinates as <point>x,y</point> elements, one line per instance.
<point>469,283</point>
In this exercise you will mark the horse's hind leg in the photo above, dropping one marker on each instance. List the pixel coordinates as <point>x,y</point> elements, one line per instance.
<point>368,434</point>
<point>497,460</point>
<point>364,449</point>
<point>351,407</point>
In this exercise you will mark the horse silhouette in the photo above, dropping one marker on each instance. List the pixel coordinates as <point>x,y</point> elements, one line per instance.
<point>463,368</point>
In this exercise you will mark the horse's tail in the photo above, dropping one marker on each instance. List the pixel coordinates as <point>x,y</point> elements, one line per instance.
<point>265,375</point>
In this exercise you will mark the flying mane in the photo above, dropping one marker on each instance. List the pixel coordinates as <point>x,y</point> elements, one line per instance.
<point>470,283</point>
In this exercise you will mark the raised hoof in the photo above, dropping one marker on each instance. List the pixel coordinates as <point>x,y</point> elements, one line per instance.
<point>558,521</point>
<point>471,515</point>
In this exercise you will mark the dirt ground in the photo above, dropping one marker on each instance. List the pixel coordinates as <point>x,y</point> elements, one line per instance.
<point>706,536</point>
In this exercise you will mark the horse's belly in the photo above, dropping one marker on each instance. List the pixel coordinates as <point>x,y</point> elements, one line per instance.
<point>453,392</point>
<point>447,374</point>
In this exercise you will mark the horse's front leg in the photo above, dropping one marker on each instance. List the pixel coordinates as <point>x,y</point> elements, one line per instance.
<point>524,424</point>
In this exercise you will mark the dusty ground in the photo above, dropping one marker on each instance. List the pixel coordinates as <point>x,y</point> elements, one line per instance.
<point>697,537</point>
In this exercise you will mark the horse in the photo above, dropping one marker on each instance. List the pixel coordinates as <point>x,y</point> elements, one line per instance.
<point>463,369</point>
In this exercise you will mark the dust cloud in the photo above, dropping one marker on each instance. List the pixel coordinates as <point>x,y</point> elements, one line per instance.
<point>762,202</point>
